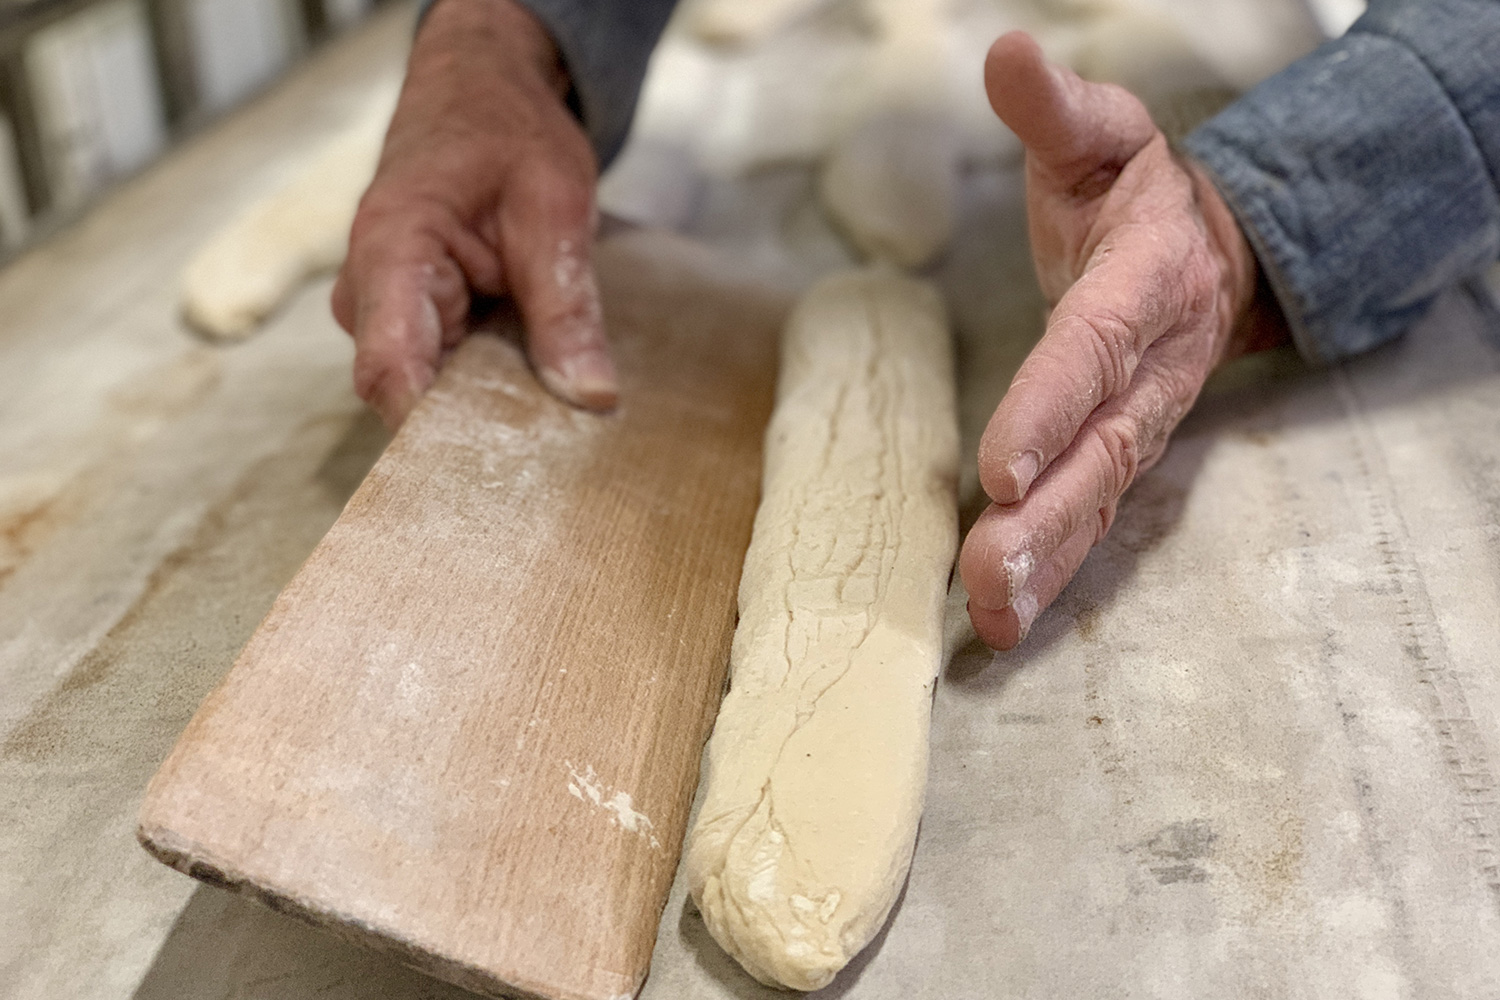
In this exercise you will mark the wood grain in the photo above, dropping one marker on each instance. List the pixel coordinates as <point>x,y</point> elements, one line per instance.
<point>468,730</point>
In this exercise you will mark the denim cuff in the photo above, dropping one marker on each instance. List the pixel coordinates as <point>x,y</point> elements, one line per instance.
<point>1364,174</point>
<point>605,45</point>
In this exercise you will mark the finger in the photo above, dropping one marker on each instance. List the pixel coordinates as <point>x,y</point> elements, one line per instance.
<point>1079,134</point>
<point>1079,491</point>
<point>398,340</point>
<point>420,234</point>
<point>343,298</point>
<point>403,292</point>
<point>547,230</point>
<point>1006,627</point>
<point>406,308</point>
<point>1134,292</point>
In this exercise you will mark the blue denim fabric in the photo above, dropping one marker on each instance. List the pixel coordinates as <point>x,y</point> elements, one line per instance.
<point>606,45</point>
<point>1367,175</point>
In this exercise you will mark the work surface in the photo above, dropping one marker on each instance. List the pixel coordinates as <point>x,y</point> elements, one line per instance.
<point>1252,752</point>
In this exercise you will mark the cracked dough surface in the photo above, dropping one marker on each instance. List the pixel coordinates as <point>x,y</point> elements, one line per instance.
<point>817,764</point>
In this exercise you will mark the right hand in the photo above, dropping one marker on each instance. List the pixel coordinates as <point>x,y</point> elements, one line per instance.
<point>486,185</point>
<point>1152,286</point>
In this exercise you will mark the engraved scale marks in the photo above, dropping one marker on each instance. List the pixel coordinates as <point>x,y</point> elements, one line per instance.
<point>1446,704</point>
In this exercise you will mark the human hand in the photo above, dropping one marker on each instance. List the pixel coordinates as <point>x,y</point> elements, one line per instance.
<point>485,185</point>
<point>1151,284</point>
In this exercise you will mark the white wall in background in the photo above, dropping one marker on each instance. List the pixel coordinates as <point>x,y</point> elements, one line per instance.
<point>99,108</point>
<point>342,14</point>
<point>238,47</point>
<point>13,214</point>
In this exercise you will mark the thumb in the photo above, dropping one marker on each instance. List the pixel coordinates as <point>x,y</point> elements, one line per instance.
<point>547,230</point>
<point>1073,130</point>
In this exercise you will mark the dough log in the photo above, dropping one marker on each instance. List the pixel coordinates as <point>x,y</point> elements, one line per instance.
<point>257,261</point>
<point>739,23</point>
<point>891,179</point>
<point>817,764</point>
<point>891,186</point>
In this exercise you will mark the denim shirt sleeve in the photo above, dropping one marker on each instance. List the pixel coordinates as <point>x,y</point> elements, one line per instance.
<point>606,45</point>
<point>1365,175</point>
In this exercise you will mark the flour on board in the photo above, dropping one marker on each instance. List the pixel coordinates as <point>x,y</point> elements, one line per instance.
<point>586,787</point>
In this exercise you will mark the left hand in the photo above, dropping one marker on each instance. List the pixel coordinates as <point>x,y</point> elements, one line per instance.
<point>1151,283</point>
<point>485,185</point>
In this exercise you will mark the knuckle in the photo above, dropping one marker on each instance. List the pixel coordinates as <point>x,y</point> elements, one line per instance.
<point>387,196</point>
<point>341,300</point>
<point>1199,280</point>
<point>388,225</point>
<point>1098,181</point>
<point>1105,521</point>
<point>1120,445</point>
<point>1152,451</point>
<point>369,371</point>
<point>1176,387</point>
<point>1113,344</point>
<point>556,192</point>
<point>1153,454</point>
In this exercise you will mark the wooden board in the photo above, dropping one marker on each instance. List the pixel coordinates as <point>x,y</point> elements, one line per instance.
<point>469,729</point>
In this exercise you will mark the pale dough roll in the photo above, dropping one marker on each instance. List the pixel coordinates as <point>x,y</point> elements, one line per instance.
<point>891,179</point>
<point>265,254</point>
<point>745,22</point>
<point>817,764</point>
<point>891,186</point>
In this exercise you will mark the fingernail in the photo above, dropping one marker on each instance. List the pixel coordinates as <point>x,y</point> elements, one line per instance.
<point>1018,569</point>
<point>587,379</point>
<point>1025,607</point>
<point>1023,469</point>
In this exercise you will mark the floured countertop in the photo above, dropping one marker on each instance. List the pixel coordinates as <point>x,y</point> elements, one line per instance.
<point>1252,752</point>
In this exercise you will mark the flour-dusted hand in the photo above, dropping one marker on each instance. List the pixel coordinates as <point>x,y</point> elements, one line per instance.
<point>485,185</point>
<point>1151,283</point>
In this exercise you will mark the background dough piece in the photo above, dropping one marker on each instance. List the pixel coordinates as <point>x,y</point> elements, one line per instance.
<point>818,761</point>
<point>257,261</point>
<point>891,179</point>
<point>745,22</point>
<point>1146,52</point>
<point>891,187</point>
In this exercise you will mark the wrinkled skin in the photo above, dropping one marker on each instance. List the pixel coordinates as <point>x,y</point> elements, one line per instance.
<point>1151,284</point>
<point>486,184</point>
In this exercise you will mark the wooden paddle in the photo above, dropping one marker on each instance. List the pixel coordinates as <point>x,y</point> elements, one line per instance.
<point>468,730</point>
